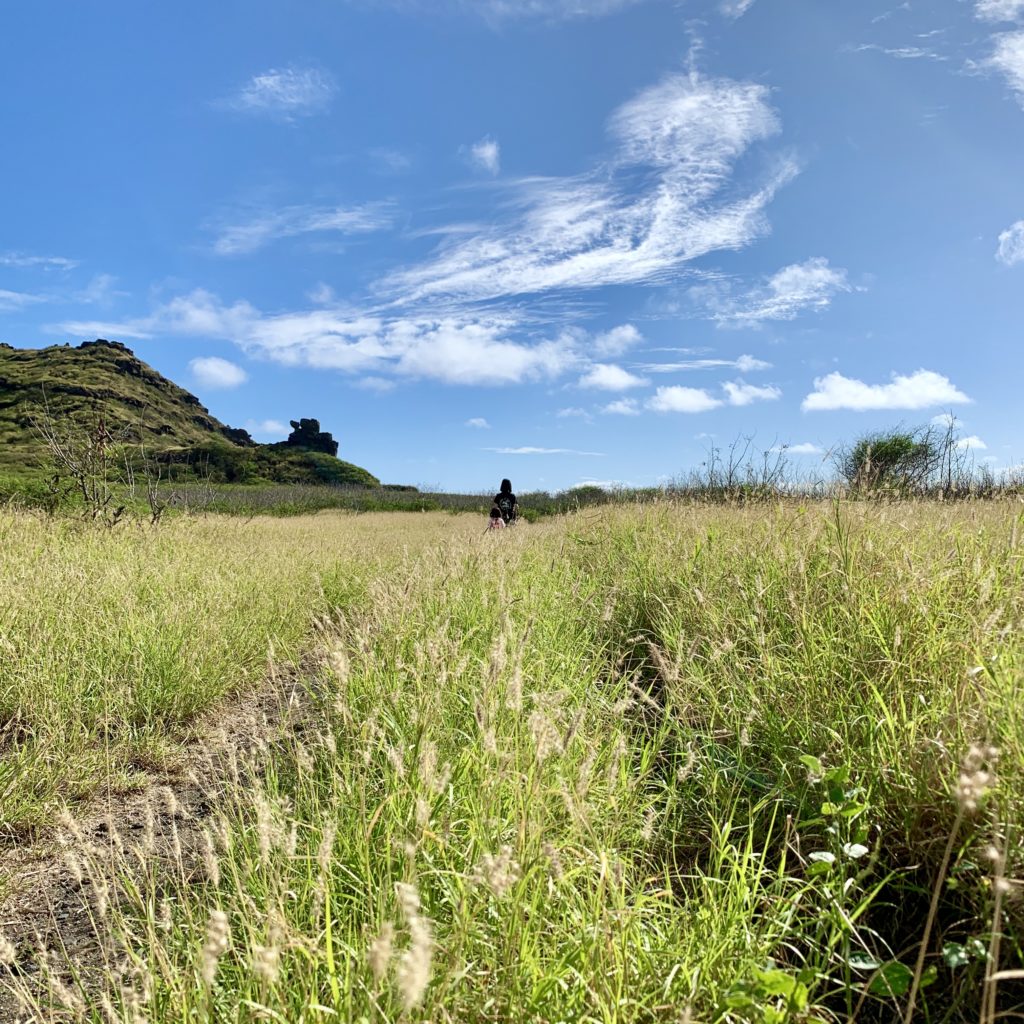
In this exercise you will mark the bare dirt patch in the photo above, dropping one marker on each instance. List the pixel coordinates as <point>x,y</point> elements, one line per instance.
<point>50,912</point>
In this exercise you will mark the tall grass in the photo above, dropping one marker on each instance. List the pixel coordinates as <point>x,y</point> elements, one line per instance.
<point>659,765</point>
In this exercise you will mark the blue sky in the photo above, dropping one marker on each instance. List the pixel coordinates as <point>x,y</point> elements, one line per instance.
<point>555,240</point>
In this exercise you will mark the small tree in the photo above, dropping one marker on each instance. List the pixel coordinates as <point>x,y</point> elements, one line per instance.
<point>307,434</point>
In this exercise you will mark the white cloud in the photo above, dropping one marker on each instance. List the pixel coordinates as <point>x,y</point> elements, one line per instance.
<point>284,93</point>
<point>739,393</point>
<point>452,349</point>
<point>379,384</point>
<point>622,407</point>
<point>18,300</point>
<point>609,377</point>
<point>745,364</point>
<point>1011,245</point>
<point>902,52</point>
<point>530,450</point>
<point>917,390</point>
<point>664,198</point>
<point>681,399</point>
<point>479,422</point>
<point>485,155</point>
<point>735,8</point>
<point>946,420</point>
<point>272,429</point>
<point>999,10</point>
<point>804,448</point>
<point>502,10</point>
<point>789,292</point>
<point>617,341</point>
<point>1008,59</point>
<point>574,412</point>
<point>214,372</point>
<point>248,236</point>
<point>103,329</point>
<point>100,291</point>
<point>24,260</point>
<point>972,443</point>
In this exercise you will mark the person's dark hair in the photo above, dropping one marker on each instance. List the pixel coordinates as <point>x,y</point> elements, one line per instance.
<point>506,486</point>
<point>495,512</point>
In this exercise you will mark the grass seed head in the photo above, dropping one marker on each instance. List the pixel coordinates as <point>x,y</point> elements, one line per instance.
<point>218,935</point>
<point>380,952</point>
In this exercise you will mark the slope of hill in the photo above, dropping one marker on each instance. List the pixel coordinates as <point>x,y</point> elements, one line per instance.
<point>105,378</point>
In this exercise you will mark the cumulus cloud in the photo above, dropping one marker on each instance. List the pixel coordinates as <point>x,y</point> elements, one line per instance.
<point>664,197</point>
<point>795,289</point>
<point>1008,59</point>
<point>574,412</point>
<point>739,393</point>
<point>214,372</point>
<point>804,448</point>
<point>622,407</point>
<point>1011,244</point>
<point>479,423</point>
<point>284,93</point>
<point>918,390</point>
<point>999,10</point>
<point>485,155</point>
<point>609,377</point>
<point>972,443</point>
<point>451,349</point>
<point>270,429</point>
<point>249,235</point>
<point>682,399</point>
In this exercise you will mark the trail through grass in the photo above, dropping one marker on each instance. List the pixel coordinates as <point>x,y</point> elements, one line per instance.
<point>656,765</point>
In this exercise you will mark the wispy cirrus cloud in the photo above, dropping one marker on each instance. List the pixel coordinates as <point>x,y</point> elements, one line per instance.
<point>798,288</point>
<point>23,260</point>
<point>10,300</point>
<point>1011,245</point>
<point>745,364</point>
<point>922,389</point>
<point>903,52</point>
<point>284,93</point>
<point>531,450</point>
<point>663,198</point>
<point>479,423</point>
<point>249,235</point>
<point>513,10</point>
<point>735,8</point>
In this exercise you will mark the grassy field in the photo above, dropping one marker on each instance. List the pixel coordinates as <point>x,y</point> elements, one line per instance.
<point>663,764</point>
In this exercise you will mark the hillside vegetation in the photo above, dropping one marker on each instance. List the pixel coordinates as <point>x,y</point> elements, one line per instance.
<point>669,764</point>
<point>104,382</point>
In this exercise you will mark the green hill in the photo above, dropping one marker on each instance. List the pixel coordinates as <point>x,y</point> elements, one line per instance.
<point>105,379</point>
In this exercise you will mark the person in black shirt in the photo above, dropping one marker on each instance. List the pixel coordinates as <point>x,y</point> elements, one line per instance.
<point>506,502</point>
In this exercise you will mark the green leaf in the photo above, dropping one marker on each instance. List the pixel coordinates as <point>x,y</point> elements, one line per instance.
<point>929,975</point>
<point>812,764</point>
<point>893,979</point>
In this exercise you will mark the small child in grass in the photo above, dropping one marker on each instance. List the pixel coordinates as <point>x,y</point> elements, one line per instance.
<point>495,522</point>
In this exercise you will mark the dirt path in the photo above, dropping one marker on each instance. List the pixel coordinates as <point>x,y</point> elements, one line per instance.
<point>51,904</point>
